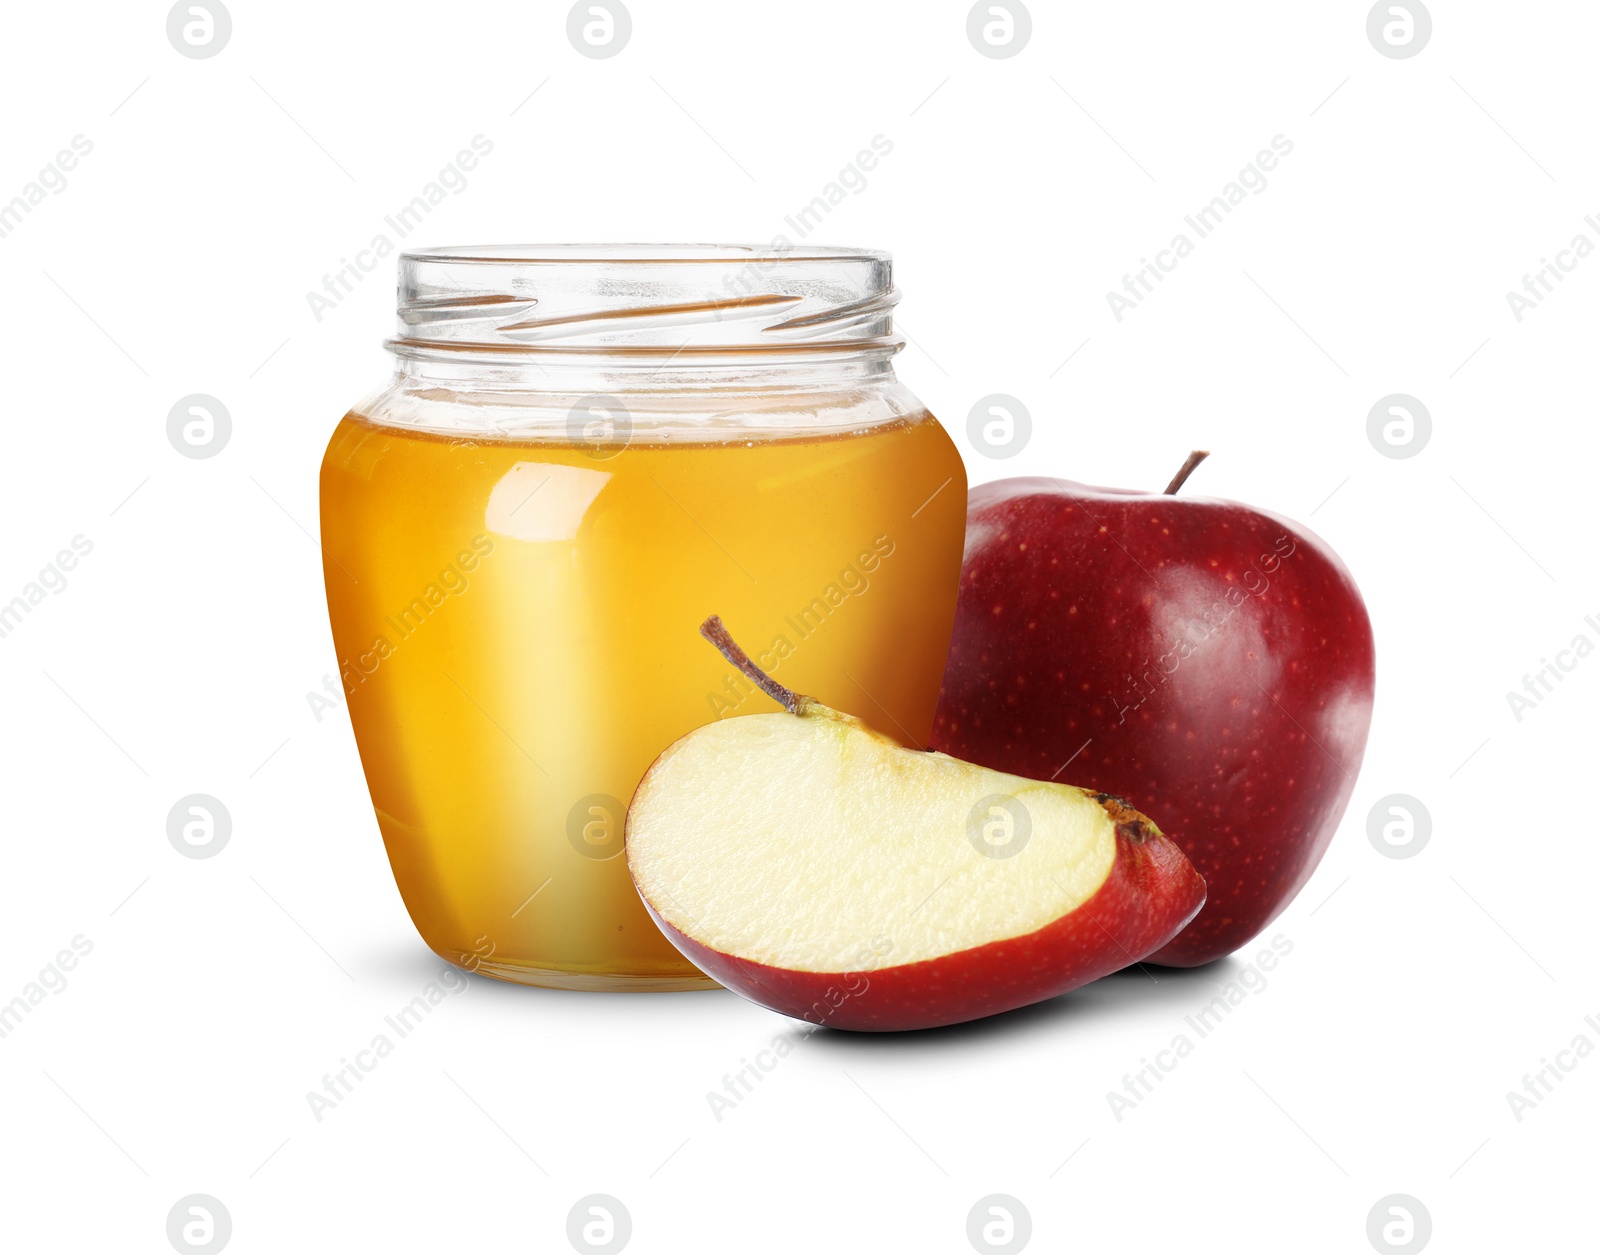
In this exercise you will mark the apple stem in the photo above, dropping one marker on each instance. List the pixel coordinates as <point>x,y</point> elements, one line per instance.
<point>1186,470</point>
<point>714,631</point>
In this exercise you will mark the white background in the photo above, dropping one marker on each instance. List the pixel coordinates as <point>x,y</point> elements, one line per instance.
<point>179,657</point>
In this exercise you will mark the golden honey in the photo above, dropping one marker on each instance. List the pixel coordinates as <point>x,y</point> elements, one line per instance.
<point>516,622</point>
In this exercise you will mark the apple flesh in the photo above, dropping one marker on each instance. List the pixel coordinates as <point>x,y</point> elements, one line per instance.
<point>1211,662</point>
<point>826,871</point>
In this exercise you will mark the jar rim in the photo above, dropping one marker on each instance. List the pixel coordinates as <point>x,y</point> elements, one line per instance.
<point>696,300</point>
<point>640,254</point>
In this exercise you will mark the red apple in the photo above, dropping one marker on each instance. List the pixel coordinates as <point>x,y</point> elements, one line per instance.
<point>821,869</point>
<point>1211,662</point>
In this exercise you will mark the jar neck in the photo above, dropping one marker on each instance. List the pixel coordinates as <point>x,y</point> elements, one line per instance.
<point>646,318</point>
<point>608,344</point>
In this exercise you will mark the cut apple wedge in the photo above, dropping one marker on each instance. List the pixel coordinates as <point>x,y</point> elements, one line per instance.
<point>823,870</point>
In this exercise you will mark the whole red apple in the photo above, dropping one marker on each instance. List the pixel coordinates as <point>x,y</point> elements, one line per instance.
<point>1210,662</point>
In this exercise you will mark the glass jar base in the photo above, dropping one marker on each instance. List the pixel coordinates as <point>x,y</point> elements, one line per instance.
<point>596,982</point>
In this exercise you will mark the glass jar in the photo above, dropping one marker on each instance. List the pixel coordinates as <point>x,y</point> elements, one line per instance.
<point>584,451</point>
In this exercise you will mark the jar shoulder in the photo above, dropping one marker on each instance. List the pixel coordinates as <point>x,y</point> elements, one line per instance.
<point>587,416</point>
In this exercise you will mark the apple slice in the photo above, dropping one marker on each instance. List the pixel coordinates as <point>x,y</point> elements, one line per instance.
<point>823,870</point>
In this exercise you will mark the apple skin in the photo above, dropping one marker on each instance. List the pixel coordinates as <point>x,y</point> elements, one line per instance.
<point>1210,662</point>
<point>1150,892</point>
